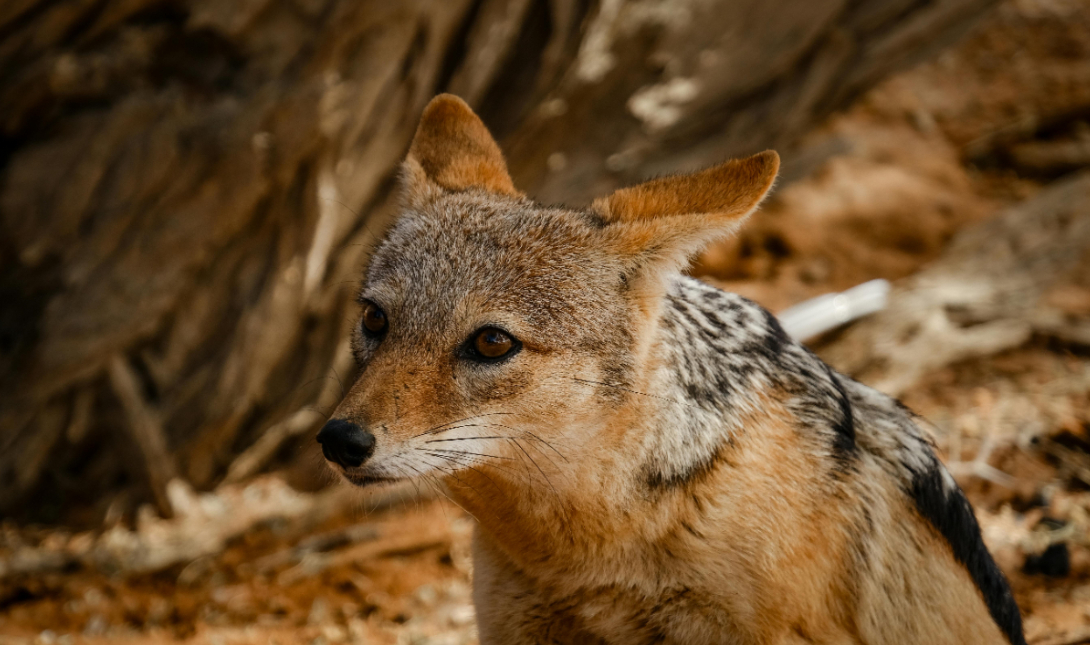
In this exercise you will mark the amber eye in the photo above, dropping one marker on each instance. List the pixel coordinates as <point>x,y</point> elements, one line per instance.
<point>492,343</point>
<point>374,319</point>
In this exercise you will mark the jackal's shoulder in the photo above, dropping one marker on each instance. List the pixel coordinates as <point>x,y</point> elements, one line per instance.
<point>730,354</point>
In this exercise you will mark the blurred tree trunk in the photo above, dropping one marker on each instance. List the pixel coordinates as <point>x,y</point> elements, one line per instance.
<point>188,188</point>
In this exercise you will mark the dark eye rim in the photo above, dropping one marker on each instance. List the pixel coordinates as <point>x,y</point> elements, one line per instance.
<point>363,328</point>
<point>468,349</point>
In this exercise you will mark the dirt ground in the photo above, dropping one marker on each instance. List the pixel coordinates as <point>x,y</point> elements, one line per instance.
<point>922,156</point>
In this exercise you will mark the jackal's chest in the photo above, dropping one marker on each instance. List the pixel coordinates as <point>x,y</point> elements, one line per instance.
<point>649,599</point>
<point>625,596</point>
<point>690,615</point>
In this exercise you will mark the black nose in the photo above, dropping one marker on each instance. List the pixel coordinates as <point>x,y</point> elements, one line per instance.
<point>345,443</point>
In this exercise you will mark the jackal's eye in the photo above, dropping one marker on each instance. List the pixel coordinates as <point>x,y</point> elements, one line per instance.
<point>490,343</point>
<point>374,320</point>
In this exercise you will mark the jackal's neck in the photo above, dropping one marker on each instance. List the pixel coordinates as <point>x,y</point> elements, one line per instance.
<point>711,370</point>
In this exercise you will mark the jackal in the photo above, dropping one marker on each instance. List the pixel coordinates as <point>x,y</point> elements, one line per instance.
<point>649,459</point>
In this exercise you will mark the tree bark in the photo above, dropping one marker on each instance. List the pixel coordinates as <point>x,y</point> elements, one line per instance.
<point>190,186</point>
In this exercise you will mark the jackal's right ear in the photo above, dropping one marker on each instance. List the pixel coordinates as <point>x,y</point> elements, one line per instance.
<point>453,150</point>
<point>665,221</point>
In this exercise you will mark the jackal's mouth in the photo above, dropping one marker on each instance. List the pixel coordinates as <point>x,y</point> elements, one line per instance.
<point>362,480</point>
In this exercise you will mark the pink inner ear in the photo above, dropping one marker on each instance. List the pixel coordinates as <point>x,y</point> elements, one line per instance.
<point>456,151</point>
<point>729,190</point>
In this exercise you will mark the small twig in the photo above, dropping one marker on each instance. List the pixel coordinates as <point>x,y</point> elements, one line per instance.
<point>318,544</point>
<point>254,458</point>
<point>315,563</point>
<point>146,429</point>
<point>1051,156</point>
<point>979,466</point>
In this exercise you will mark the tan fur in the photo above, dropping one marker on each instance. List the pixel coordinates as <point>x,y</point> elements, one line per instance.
<point>587,531</point>
<point>748,581</point>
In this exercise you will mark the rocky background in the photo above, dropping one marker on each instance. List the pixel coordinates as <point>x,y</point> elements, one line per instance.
<point>189,190</point>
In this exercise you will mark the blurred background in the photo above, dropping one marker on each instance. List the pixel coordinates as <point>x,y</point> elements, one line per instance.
<point>189,190</point>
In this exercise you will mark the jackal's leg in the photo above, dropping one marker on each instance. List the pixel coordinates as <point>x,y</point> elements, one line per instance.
<point>511,610</point>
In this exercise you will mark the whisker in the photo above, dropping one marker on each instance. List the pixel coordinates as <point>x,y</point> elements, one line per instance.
<point>526,432</point>
<point>463,462</point>
<point>540,470</point>
<point>470,466</point>
<point>416,484</point>
<point>468,425</point>
<point>475,454</point>
<point>435,430</point>
<point>507,437</point>
<point>468,462</point>
<point>465,439</point>
<point>439,489</point>
<point>547,444</point>
<point>629,390</point>
<point>564,513</point>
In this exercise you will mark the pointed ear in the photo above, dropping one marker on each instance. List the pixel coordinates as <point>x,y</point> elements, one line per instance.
<point>453,150</point>
<point>668,220</point>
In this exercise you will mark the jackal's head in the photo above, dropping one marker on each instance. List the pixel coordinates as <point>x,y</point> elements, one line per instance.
<point>496,330</point>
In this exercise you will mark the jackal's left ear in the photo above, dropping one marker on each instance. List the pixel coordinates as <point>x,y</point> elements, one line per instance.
<point>453,150</point>
<point>666,221</point>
